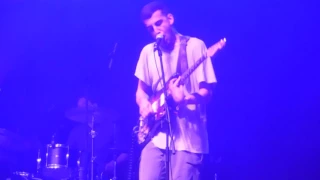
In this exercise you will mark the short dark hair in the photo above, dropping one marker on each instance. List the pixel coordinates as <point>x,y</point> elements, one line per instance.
<point>152,7</point>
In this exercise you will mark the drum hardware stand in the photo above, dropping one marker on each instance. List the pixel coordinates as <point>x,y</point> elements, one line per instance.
<point>81,171</point>
<point>93,135</point>
<point>114,169</point>
<point>92,131</point>
<point>114,153</point>
<point>38,162</point>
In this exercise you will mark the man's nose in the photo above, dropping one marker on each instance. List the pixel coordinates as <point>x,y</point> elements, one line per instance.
<point>157,30</point>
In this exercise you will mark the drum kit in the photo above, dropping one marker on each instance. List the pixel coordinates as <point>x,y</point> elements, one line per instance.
<point>59,161</point>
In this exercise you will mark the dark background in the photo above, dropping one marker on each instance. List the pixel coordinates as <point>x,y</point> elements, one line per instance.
<point>263,118</point>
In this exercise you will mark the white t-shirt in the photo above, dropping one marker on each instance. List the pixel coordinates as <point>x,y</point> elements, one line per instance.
<point>190,132</point>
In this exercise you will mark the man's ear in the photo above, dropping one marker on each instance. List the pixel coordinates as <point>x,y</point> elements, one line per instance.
<point>170,18</point>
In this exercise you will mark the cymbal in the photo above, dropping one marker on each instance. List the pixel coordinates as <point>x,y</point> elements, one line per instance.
<point>14,142</point>
<point>84,115</point>
<point>9,140</point>
<point>7,133</point>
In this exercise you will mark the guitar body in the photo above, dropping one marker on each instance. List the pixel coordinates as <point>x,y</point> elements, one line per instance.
<point>148,127</point>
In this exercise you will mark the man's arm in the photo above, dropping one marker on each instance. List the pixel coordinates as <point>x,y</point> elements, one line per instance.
<point>205,75</point>
<point>142,99</point>
<point>203,96</point>
<point>142,93</point>
<point>144,83</point>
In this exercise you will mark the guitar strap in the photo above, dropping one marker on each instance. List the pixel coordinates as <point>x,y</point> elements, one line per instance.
<point>182,65</point>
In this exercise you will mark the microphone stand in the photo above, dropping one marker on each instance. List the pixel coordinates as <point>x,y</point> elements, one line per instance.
<point>167,162</point>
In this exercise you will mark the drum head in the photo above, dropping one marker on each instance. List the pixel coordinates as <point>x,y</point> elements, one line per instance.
<point>57,146</point>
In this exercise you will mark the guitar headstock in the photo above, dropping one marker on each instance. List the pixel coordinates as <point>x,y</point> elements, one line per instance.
<point>217,46</point>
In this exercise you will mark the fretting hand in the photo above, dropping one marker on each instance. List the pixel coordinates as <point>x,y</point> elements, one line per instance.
<point>176,90</point>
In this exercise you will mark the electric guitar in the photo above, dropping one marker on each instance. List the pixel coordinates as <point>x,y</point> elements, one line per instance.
<point>147,126</point>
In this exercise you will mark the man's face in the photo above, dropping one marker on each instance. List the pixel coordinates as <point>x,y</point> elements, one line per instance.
<point>159,24</point>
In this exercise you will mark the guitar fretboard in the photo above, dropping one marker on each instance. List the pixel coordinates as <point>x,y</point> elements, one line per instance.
<point>187,73</point>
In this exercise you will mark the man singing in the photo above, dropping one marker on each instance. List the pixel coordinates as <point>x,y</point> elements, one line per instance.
<point>189,129</point>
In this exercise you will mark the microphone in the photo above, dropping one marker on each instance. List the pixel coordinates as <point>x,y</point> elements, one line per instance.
<point>159,39</point>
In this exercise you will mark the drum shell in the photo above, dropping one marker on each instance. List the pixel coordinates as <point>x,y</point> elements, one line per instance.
<point>57,156</point>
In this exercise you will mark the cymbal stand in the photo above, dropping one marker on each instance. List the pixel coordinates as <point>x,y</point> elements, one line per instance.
<point>114,153</point>
<point>93,135</point>
<point>38,162</point>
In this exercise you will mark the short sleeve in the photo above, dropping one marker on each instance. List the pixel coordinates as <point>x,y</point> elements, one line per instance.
<point>205,71</point>
<point>142,71</point>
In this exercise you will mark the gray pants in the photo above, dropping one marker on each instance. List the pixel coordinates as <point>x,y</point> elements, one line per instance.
<point>184,165</point>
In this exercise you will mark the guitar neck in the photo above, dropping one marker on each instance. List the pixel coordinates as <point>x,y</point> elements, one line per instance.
<point>188,72</point>
<point>210,52</point>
